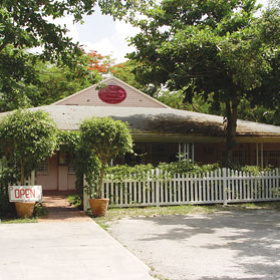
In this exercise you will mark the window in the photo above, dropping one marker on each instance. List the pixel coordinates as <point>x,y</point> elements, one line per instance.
<point>43,167</point>
<point>186,151</point>
<point>239,157</point>
<point>269,158</point>
<point>71,166</point>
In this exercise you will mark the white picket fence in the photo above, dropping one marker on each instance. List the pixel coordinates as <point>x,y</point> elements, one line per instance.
<point>221,186</point>
<point>29,181</point>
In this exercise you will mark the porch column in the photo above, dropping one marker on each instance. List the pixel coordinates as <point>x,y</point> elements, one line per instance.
<point>261,154</point>
<point>257,154</point>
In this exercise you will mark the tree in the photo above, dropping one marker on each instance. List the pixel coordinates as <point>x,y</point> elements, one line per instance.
<point>26,139</point>
<point>28,24</point>
<point>213,47</point>
<point>56,82</point>
<point>126,72</point>
<point>107,139</point>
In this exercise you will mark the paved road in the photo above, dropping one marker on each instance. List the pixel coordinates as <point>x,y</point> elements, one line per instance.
<point>68,250</point>
<point>226,245</point>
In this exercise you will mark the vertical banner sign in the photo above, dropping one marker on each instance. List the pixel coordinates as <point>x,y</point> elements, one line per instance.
<point>25,193</point>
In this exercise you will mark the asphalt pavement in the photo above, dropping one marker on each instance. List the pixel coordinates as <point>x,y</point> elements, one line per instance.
<point>225,245</point>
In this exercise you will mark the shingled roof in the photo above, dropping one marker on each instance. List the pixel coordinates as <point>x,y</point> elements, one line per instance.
<point>158,122</point>
<point>151,120</point>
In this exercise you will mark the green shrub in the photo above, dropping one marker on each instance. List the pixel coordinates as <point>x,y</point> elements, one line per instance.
<point>103,139</point>
<point>6,178</point>
<point>140,172</point>
<point>255,170</point>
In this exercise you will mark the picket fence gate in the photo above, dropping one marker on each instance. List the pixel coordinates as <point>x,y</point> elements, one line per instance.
<point>220,186</point>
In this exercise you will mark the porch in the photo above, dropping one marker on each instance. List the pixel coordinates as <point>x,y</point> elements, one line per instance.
<point>58,172</point>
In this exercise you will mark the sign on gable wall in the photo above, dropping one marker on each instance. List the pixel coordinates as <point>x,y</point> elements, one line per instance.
<point>112,94</point>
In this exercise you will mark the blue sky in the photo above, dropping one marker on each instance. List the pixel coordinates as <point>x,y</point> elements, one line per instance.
<point>103,34</point>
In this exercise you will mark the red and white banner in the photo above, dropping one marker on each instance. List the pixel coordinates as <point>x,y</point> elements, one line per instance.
<point>25,193</point>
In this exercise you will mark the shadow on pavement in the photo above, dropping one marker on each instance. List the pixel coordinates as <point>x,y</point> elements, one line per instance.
<point>248,242</point>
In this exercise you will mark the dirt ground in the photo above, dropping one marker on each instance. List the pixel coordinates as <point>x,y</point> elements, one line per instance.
<point>224,245</point>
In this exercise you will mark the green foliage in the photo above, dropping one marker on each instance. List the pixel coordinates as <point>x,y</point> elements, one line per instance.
<point>255,170</point>
<point>7,177</point>
<point>67,141</point>
<point>40,210</point>
<point>103,139</point>
<point>16,78</point>
<point>127,72</point>
<point>118,173</point>
<point>214,48</point>
<point>88,165</point>
<point>27,137</point>
<point>55,83</point>
<point>186,167</point>
<point>106,137</point>
<point>28,24</point>
<point>142,172</point>
<point>76,200</point>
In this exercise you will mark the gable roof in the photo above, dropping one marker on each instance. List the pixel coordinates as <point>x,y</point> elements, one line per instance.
<point>90,97</point>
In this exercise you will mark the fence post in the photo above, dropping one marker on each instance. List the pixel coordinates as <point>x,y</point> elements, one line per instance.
<point>85,195</point>
<point>225,186</point>
<point>157,186</point>
<point>277,183</point>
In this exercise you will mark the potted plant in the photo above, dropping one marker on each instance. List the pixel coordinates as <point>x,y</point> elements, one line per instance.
<point>26,139</point>
<point>106,139</point>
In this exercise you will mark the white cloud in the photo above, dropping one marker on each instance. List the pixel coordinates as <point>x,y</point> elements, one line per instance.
<point>114,44</point>
<point>101,33</point>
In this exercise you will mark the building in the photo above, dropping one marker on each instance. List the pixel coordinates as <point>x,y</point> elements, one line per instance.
<point>159,132</point>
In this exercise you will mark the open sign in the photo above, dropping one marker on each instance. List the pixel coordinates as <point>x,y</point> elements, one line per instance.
<point>25,193</point>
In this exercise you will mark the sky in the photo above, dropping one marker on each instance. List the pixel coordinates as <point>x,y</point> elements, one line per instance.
<point>106,36</point>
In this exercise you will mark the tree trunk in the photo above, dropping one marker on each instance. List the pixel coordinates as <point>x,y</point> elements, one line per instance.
<point>102,172</point>
<point>231,114</point>
<point>22,177</point>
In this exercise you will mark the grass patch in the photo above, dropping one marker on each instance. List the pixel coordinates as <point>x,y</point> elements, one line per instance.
<point>115,214</point>
<point>256,206</point>
<point>75,200</point>
<point>19,221</point>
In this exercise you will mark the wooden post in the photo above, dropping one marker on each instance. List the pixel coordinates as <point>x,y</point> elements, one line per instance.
<point>257,154</point>
<point>262,155</point>
<point>193,152</point>
<point>157,187</point>
<point>225,186</point>
<point>277,183</point>
<point>85,196</point>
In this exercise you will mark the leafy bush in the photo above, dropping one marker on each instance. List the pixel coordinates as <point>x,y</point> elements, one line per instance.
<point>186,166</point>
<point>255,170</point>
<point>26,139</point>
<point>6,177</point>
<point>140,172</point>
<point>103,139</point>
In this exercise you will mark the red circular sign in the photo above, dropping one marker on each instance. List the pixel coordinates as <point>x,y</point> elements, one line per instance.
<point>112,94</point>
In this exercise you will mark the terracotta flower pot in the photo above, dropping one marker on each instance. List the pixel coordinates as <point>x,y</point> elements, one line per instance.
<point>24,209</point>
<point>99,206</point>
